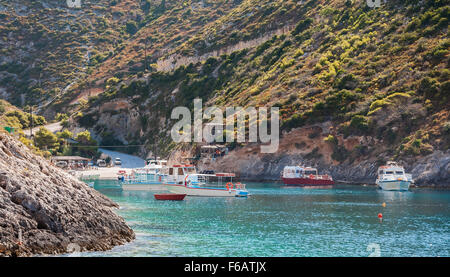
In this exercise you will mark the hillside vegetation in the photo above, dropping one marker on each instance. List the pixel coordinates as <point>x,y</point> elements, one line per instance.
<point>381,74</point>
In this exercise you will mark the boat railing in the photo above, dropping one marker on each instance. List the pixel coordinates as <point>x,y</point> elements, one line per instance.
<point>239,185</point>
<point>319,177</point>
<point>177,179</point>
<point>211,180</point>
<point>142,178</point>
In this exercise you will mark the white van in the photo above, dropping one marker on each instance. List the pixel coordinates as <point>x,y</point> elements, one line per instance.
<point>118,161</point>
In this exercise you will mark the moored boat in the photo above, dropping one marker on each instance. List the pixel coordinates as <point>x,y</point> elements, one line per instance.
<point>392,177</point>
<point>146,178</point>
<point>304,176</point>
<point>170,196</point>
<point>183,179</point>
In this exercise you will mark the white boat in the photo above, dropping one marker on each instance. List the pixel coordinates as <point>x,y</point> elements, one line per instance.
<point>183,179</point>
<point>150,177</point>
<point>393,177</point>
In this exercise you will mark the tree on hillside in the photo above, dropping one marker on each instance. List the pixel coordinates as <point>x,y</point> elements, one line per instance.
<point>88,145</point>
<point>161,8</point>
<point>46,140</point>
<point>131,27</point>
<point>146,6</point>
<point>65,134</point>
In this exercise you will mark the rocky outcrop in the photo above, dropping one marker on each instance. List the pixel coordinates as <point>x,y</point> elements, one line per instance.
<point>44,210</point>
<point>433,169</point>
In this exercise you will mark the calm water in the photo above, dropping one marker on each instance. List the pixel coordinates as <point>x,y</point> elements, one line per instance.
<point>277,221</point>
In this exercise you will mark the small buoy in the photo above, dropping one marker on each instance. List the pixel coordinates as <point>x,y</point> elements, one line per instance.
<point>384,205</point>
<point>380,215</point>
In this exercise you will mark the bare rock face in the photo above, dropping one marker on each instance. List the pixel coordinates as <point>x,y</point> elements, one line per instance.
<point>433,169</point>
<point>43,209</point>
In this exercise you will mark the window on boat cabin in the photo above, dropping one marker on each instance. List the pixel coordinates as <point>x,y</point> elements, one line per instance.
<point>180,171</point>
<point>309,172</point>
<point>399,172</point>
<point>189,170</point>
<point>389,172</point>
<point>380,172</point>
<point>171,171</point>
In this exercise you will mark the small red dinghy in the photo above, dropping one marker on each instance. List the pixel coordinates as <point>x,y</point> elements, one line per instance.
<point>170,196</point>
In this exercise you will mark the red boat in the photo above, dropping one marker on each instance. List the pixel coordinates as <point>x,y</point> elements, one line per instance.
<point>170,196</point>
<point>304,176</point>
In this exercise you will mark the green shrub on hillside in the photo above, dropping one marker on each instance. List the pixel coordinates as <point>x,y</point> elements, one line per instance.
<point>46,140</point>
<point>387,101</point>
<point>25,119</point>
<point>360,122</point>
<point>131,27</point>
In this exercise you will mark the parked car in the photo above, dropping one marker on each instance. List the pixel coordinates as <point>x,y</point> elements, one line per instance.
<point>62,164</point>
<point>101,163</point>
<point>118,161</point>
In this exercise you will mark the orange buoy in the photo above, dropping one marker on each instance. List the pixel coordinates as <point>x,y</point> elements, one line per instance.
<point>229,186</point>
<point>384,205</point>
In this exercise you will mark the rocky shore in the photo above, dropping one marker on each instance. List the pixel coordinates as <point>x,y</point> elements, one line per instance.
<point>44,210</point>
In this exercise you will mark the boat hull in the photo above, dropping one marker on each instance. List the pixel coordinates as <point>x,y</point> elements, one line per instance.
<point>170,196</point>
<point>394,185</point>
<point>209,192</point>
<point>306,182</point>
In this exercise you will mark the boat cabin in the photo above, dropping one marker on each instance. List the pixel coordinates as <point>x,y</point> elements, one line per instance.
<point>298,172</point>
<point>391,168</point>
<point>177,173</point>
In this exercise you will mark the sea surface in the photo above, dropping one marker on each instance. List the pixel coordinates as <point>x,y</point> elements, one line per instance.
<point>276,221</point>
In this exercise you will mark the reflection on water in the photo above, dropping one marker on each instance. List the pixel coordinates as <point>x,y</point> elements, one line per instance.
<point>279,221</point>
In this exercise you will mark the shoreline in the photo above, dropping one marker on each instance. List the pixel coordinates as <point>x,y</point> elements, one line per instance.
<point>110,173</point>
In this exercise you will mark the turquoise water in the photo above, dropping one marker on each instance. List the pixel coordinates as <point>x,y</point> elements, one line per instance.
<point>277,221</point>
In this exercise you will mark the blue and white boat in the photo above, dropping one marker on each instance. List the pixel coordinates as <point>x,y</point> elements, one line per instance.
<point>392,177</point>
<point>184,179</point>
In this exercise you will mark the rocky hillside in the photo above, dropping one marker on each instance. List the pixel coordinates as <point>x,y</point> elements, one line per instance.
<point>44,210</point>
<point>50,51</point>
<point>374,81</point>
